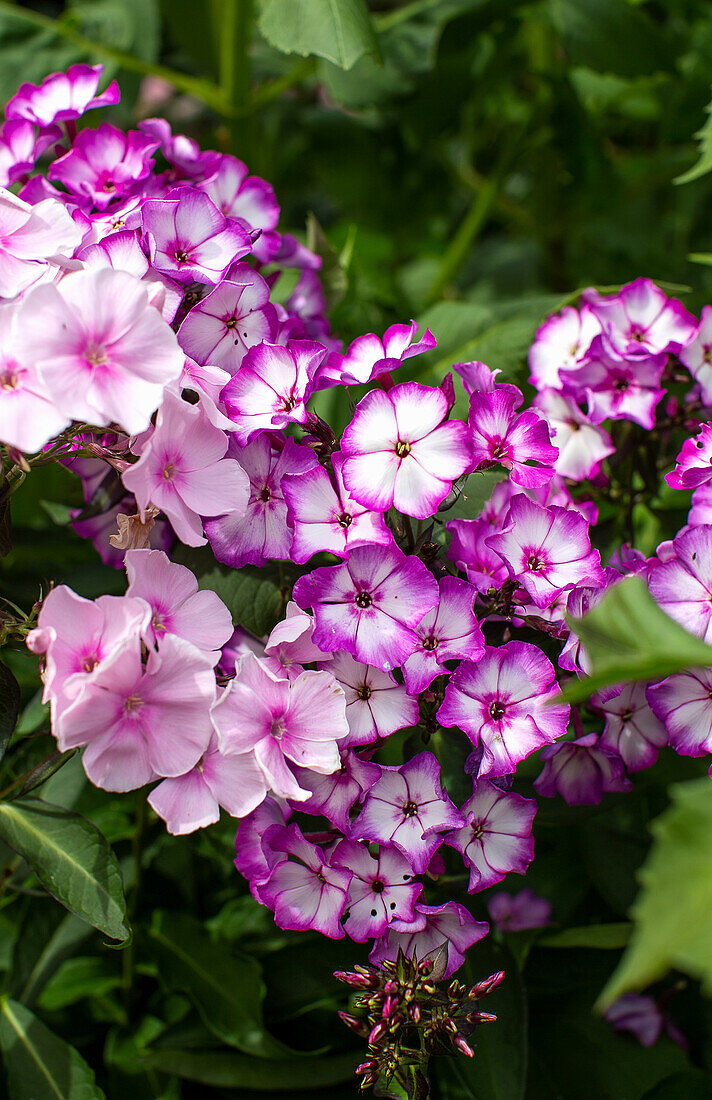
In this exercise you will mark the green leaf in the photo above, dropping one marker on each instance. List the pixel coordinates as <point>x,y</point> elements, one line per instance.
<point>611,36</point>
<point>692,1084</point>
<point>41,1066</point>
<point>253,596</point>
<point>42,947</point>
<point>225,986</point>
<point>72,860</point>
<point>10,699</point>
<point>672,911</point>
<point>607,937</point>
<point>704,161</point>
<point>227,1069</point>
<point>77,979</point>
<point>628,637</point>
<point>338,30</point>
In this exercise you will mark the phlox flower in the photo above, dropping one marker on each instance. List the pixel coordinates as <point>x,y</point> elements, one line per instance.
<point>447,632</point>
<point>546,550</point>
<point>189,239</point>
<point>334,795</point>
<point>582,444</point>
<point>32,238</point>
<point>632,730</point>
<point>140,724</point>
<point>641,320</point>
<point>500,434</point>
<point>104,163</point>
<point>177,607</point>
<point>207,383</point>
<point>407,807</point>
<point>643,1018</point>
<point>696,355</point>
<point>103,352</point>
<point>290,643</point>
<point>682,584</point>
<point>193,800</point>
<point>496,837</point>
<point>581,772</point>
<point>183,471</point>
<point>382,893</point>
<point>327,517</point>
<point>580,600</point>
<point>62,97</point>
<point>469,550</point>
<point>376,706</point>
<point>261,531</point>
<point>518,912</point>
<point>701,508</point>
<point>122,252</point>
<point>370,604</point>
<point>254,860</point>
<point>247,198</point>
<point>20,147</point>
<point>618,388</point>
<point>368,357</point>
<point>232,318</point>
<point>271,388</point>
<point>180,151</point>
<point>683,702</point>
<point>478,378</point>
<point>561,343</point>
<point>304,890</point>
<point>28,416</point>
<point>505,703</point>
<point>308,302</point>
<point>442,932</point>
<point>400,450</point>
<point>694,463</point>
<point>282,721</point>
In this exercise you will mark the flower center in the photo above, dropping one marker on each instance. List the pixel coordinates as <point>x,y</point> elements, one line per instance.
<point>277,730</point>
<point>157,623</point>
<point>266,494</point>
<point>8,380</point>
<point>496,710</point>
<point>231,322</point>
<point>363,691</point>
<point>345,520</point>
<point>478,830</point>
<point>498,450</point>
<point>95,355</point>
<point>622,385</point>
<point>410,808</point>
<point>181,256</point>
<point>90,662</point>
<point>288,403</point>
<point>377,886</point>
<point>168,471</point>
<point>626,715</point>
<point>133,702</point>
<point>430,643</point>
<point>109,185</point>
<point>402,448</point>
<point>363,600</point>
<point>535,563</point>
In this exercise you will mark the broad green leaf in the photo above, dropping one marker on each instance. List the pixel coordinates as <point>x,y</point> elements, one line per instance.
<point>703,164</point>
<point>79,978</point>
<point>72,860</point>
<point>672,911</point>
<point>10,699</point>
<point>132,25</point>
<point>253,596</point>
<point>225,986</point>
<point>42,947</point>
<point>337,30</point>
<point>228,1069</point>
<point>611,36</point>
<point>628,637</point>
<point>40,1065</point>
<point>607,937</point>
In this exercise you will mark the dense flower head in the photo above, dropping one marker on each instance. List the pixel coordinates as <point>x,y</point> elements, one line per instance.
<point>104,163</point>
<point>641,320</point>
<point>444,933</point>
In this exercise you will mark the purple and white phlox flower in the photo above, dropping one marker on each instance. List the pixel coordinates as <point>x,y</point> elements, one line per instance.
<point>282,721</point>
<point>518,912</point>
<point>253,859</point>
<point>382,893</point>
<point>180,151</point>
<point>561,344</point>
<point>249,199</point>
<point>683,702</point>
<point>443,933</point>
<point>696,355</point>
<point>122,252</point>
<point>682,584</point>
<point>28,415</point>
<point>582,444</point>
<point>62,97</point>
<point>369,357</point>
<point>333,796</point>
<point>496,837</point>
<point>701,508</point>
<point>641,320</point>
<point>618,388</point>
<point>34,242</point>
<point>469,550</point>
<point>20,147</point>
<point>370,604</point>
<point>448,632</point>
<point>304,890</point>
<point>581,772</point>
<point>478,378</point>
<point>694,462</point>
<point>271,388</point>
<point>104,164</point>
<point>376,706</point>
<point>632,730</point>
<point>501,435</point>
<point>290,643</point>
<point>408,807</point>
<point>232,318</point>
<point>504,703</point>
<point>189,239</point>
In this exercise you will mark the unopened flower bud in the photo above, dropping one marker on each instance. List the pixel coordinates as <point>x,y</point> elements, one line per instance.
<point>463,1046</point>
<point>481,989</point>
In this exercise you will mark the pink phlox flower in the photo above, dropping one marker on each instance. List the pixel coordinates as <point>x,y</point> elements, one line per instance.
<point>21,145</point>
<point>122,252</point>
<point>327,517</point>
<point>581,772</point>
<point>282,721</point>
<point>240,642</point>
<point>31,239</point>
<point>696,355</point>
<point>124,215</point>
<point>189,239</point>
<point>207,383</point>
<point>518,912</point>
<point>580,600</point>
<point>370,604</point>
<point>194,800</point>
<point>290,644</point>
<point>304,890</point>
<point>62,97</point>
<point>382,893</point>
<point>561,343</point>
<point>632,730</point>
<point>496,838</point>
<point>140,724</point>
<point>641,320</point>
<point>177,606</point>
<point>478,378</point>
<point>401,450</point>
<point>626,560</point>
<point>448,632</point>
<point>292,253</point>
<point>262,531</point>
<point>184,472</point>
<point>683,702</point>
<point>682,584</point>
<point>250,199</point>
<point>376,706</point>
<point>308,302</point>
<point>232,318</point>
<point>694,462</point>
<point>408,807</point>
<point>103,352</point>
<point>253,859</point>
<point>617,388</point>
<point>28,415</point>
<point>442,933</point>
<point>505,703</point>
<point>333,796</point>
<point>182,152</point>
<point>104,164</point>
<point>501,435</point>
<point>369,357</point>
<point>470,552</point>
<point>546,550</point>
<point>701,508</point>
<point>271,388</point>
<point>582,444</point>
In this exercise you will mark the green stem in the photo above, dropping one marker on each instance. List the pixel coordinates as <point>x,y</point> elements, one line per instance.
<point>235,71</point>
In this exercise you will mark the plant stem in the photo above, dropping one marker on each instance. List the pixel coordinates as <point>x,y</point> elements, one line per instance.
<point>235,69</point>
